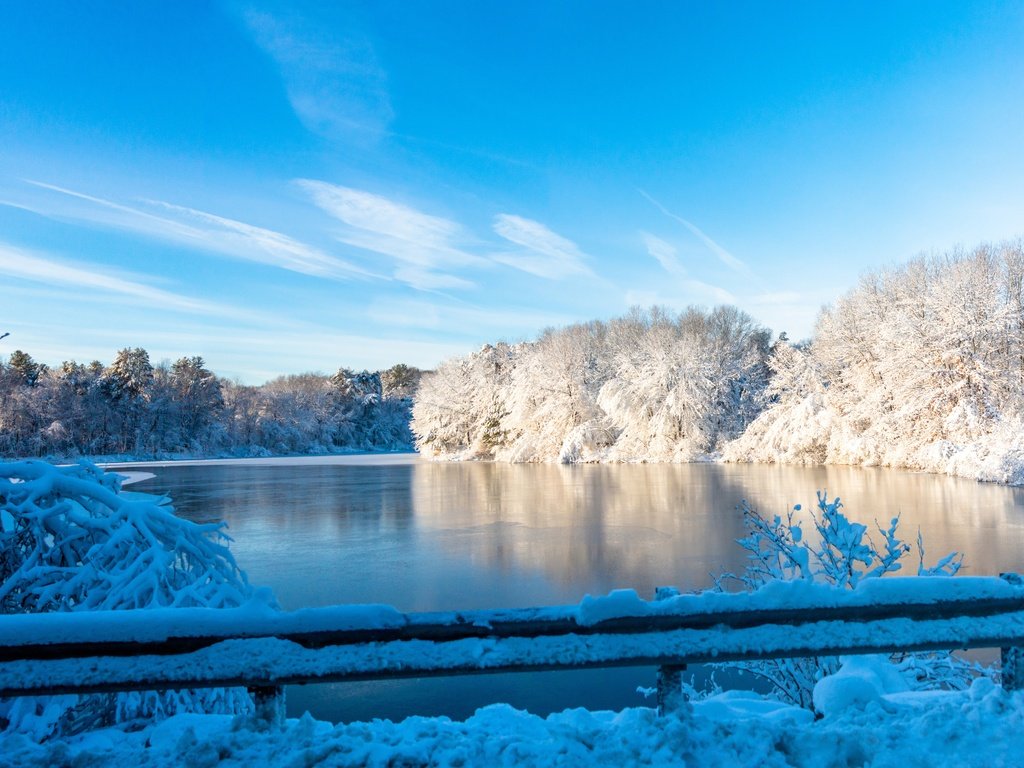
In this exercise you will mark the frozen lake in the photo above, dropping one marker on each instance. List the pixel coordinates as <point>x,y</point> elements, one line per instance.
<point>423,536</point>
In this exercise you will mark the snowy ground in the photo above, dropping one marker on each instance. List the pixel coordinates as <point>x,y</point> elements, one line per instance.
<point>348,459</point>
<point>129,478</point>
<point>981,727</point>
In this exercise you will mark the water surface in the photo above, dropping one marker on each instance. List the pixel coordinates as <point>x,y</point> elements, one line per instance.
<point>428,536</point>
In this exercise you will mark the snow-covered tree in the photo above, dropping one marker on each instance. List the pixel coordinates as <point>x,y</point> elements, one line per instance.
<point>795,427</point>
<point>550,397</point>
<point>651,386</point>
<point>129,376</point>
<point>70,540</point>
<point>681,385</point>
<point>400,381</point>
<point>919,366</point>
<point>459,408</point>
<point>132,407</point>
<point>25,368</point>
<point>197,393</point>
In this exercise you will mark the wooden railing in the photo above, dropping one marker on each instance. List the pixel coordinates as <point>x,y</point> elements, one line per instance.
<point>263,649</point>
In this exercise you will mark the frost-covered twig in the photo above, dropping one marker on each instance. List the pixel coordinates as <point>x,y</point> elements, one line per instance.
<point>840,553</point>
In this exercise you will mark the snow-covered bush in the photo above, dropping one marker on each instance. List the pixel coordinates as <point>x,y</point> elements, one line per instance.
<point>827,547</point>
<point>71,540</point>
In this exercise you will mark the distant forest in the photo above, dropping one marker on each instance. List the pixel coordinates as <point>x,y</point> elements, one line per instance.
<point>919,366</point>
<point>134,409</point>
<point>650,386</point>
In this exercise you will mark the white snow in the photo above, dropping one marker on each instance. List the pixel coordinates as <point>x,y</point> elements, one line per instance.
<point>342,459</point>
<point>130,478</point>
<point>257,618</point>
<point>860,681</point>
<point>268,659</point>
<point>980,727</point>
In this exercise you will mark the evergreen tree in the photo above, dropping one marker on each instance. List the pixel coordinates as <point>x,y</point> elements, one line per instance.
<point>24,367</point>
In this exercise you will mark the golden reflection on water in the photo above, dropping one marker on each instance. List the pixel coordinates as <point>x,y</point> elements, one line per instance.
<point>430,536</point>
<point>645,525</point>
<point>426,536</point>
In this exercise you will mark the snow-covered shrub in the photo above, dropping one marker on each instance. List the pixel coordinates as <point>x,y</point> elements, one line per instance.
<point>71,540</point>
<point>827,547</point>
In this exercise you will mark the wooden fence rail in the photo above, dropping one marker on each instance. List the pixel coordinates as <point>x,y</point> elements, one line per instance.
<point>262,649</point>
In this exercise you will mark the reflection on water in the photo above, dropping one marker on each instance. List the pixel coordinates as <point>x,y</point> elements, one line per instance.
<point>424,536</point>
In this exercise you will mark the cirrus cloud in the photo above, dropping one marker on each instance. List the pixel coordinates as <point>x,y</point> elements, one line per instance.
<point>542,252</point>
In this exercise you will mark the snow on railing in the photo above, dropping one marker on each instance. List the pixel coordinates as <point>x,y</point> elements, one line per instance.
<point>262,648</point>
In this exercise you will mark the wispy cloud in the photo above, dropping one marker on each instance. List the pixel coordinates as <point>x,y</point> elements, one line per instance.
<point>334,82</point>
<point>543,253</point>
<point>664,253</point>
<point>723,255</point>
<point>426,247</point>
<point>198,229</point>
<point>503,321</point>
<point>682,289</point>
<point>277,249</point>
<point>25,265</point>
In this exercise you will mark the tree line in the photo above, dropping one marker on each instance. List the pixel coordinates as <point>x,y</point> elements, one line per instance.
<point>134,408</point>
<point>919,366</point>
<point>649,386</point>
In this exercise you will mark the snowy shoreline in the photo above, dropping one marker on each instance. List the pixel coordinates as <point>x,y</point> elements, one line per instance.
<point>365,459</point>
<point>983,726</point>
<point>370,458</point>
<point>400,458</point>
<point>397,458</point>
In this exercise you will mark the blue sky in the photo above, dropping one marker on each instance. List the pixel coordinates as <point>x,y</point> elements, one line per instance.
<point>282,188</point>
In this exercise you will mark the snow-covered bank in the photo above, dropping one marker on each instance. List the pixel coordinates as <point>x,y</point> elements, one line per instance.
<point>341,459</point>
<point>918,367</point>
<point>813,433</point>
<point>867,726</point>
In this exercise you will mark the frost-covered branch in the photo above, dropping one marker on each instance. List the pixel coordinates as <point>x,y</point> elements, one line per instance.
<point>71,540</point>
<point>836,551</point>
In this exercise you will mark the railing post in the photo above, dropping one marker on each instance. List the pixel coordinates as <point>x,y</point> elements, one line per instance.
<point>670,688</point>
<point>1010,675</point>
<point>1012,657</point>
<point>268,702</point>
<point>670,676</point>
